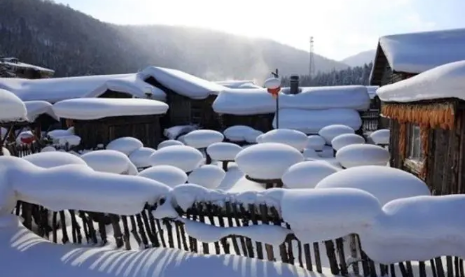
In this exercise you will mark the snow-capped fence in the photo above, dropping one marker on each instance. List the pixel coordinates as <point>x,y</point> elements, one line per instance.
<point>370,120</point>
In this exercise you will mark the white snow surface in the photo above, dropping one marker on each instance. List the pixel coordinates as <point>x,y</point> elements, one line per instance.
<point>223,151</point>
<point>372,91</point>
<point>380,136</point>
<point>125,145</point>
<point>445,81</point>
<point>235,83</point>
<point>259,101</point>
<point>176,131</point>
<point>55,134</point>
<point>53,159</point>
<point>331,131</point>
<point>238,132</point>
<point>306,175</point>
<point>71,140</point>
<point>315,142</point>
<point>293,138</point>
<point>267,160</point>
<point>362,154</point>
<point>97,108</point>
<point>141,157</point>
<point>75,187</point>
<point>272,83</point>
<point>181,82</point>
<point>385,183</point>
<point>6,152</point>
<point>48,149</point>
<point>312,121</point>
<point>184,157</point>
<point>251,137</point>
<point>166,174</point>
<point>418,52</point>
<point>12,109</point>
<point>309,153</point>
<point>207,176</point>
<point>203,138</point>
<point>346,139</point>
<point>37,108</point>
<point>169,142</point>
<point>109,161</point>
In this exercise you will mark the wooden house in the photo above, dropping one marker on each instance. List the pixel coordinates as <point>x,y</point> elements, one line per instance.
<point>101,120</point>
<point>190,98</point>
<point>24,70</point>
<point>427,114</point>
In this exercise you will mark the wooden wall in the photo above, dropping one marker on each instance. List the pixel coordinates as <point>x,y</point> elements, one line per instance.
<point>263,122</point>
<point>102,131</point>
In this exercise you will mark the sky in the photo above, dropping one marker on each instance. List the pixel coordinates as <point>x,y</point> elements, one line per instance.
<point>340,28</point>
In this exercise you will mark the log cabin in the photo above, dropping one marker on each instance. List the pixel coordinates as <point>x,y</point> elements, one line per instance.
<point>25,70</point>
<point>427,114</point>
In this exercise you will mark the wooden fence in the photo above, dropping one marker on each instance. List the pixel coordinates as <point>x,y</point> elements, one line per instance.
<point>146,231</point>
<point>370,120</point>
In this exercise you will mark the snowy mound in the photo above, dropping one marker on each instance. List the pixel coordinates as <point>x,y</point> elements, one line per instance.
<point>346,139</point>
<point>259,138</point>
<point>385,183</point>
<point>71,140</point>
<point>59,133</point>
<point>166,174</point>
<point>141,157</point>
<point>203,138</point>
<point>184,157</point>
<point>324,214</point>
<point>380,136</point>
<point>207,176</point>
<point>306,175</point>
<point>312,121</point>
<point>310,154</point>
<point>167,143</point>
<point>238,132</point>
<point>315,142</point>
<point>11,107</point>
<point>362,154</point>
<point>251,137</point>
<point>223,151</point>
<point>48,149</point>
<point>293,138</point>
<point>53,159</point>
<point>109,161</point>
<point>125,145</point>
<point>332,131</point>
<point>267,160</point>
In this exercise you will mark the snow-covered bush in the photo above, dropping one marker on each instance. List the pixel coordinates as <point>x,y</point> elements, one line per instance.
<point>293,138</point>
<point>110,161</point>
<point>332,131</point>
<point>141,157</point>
<point>223,151</point>
<point>166,174</point>
<point>125,145</point>
<point>207,176</point>
<point>362,154</point>
<point>203,138</point>
<point>307,174</point>
<point>238,133</point>
<point>184,157</point>
<point>346,139</point>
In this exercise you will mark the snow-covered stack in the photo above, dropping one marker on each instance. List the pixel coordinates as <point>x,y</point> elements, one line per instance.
<point>293,138</point>
<point>166,174</point>
<point>307,174</point>
<point>207,176</point>
<point>201,139</point>
<point>224,152</point>
<point>242,134</point>
<point>380,137</point>
<point>355,155</point>
<point>184,157</point>
<point>110,161</point>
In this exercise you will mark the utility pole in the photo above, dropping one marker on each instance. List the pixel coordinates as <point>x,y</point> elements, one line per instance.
<point>311,63</point>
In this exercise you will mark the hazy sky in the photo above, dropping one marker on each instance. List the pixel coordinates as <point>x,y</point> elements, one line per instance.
<point>340,27</point>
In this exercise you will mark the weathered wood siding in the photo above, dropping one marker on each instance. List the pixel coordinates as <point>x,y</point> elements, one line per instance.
<point>263,122</point>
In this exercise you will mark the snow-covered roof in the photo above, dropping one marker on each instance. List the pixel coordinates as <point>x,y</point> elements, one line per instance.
<point>181,82</point>
<point>96,108</point>
<point>37,108</point>
<point>259,101</point>
<point>235,83</point>
<point>56,89</point>
<point>13,62</point>
<point>12,109</point>
<point>418,52</point>
<point>446,81</point>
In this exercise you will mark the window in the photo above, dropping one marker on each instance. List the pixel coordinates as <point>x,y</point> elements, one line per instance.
<point>415,151</point>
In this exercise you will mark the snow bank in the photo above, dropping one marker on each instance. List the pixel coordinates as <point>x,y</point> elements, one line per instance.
<point>329,132</point>
<point>275,235</point>
<point>417,228</point>
<point>362,154</point>
<point>166,174</point>
<point>125,145</point>
<point>418,52</point>
<point>53,159</point>
<point>207,176</point>
<point>325,214</point>
<point>380,136</point>
<point>109,161</point>
<point>385,183</point>
<point>11,107</point>
<point>97,108</point>
<point>180,82</point>
<point>141,157</point>
<point>312,121</point>
<point>267,160</point>
<point>241,101</point>
<point>346,139</point>
<point>238,132</point>
<point>445,81</point>
<point>223,151</point>
<point>315,142</point>
<point>293,138</point>
<point>78,187</point>
<point>306,175</point>
<point>203,138</point>
<point>167,143</point>
<point>37,108</point>
<point>184,157</point>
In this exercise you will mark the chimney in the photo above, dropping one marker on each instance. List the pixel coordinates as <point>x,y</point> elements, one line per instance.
<point>294,83</point>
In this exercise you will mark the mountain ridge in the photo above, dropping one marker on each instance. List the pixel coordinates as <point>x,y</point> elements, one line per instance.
<point>359,59</point>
